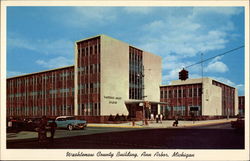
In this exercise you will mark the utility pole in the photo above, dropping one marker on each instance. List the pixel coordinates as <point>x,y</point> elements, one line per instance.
<point>202,98</point>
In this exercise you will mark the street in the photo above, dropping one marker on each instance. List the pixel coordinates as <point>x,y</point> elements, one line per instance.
<point>219,136</point>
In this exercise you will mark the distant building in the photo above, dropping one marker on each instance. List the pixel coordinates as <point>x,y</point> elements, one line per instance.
<point>242,105</point>
<point>199,97</point>
<point>109,77</point>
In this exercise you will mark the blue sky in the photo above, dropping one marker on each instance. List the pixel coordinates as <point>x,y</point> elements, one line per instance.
<point>42,38</point>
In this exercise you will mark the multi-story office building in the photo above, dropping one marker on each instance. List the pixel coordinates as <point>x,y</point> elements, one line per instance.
<point>199,97</point>
<point>112,77</point>
<point>48,93</point>
<point>109,77</point>
<point>242,105</point>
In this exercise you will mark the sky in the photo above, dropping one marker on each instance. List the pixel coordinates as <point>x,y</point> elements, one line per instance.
<point>42,38</point>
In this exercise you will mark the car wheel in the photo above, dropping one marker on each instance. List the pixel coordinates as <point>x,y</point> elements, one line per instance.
<point>70,127</point>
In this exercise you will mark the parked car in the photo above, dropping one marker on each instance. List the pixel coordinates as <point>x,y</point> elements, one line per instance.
<point>31,124</point>
<point>70,122</point>
<point>239,123</point>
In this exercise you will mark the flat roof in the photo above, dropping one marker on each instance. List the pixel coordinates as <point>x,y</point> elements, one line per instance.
<point>101,35</point>
<point>193,81</point>
<point>41,72</point>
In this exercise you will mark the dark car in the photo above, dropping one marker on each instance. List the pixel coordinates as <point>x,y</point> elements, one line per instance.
<point>239,123</point>
<point>32,123</point>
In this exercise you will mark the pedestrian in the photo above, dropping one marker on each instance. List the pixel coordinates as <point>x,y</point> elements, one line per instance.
<point>42,130</point>
<point>175,122</point>
<point>53,126</point>
<point>10,122</point>
<point>161,116</point>
<point>152,117</point>
<point>157,118</point>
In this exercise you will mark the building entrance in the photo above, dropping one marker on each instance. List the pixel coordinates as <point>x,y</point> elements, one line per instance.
<point>135,111</point>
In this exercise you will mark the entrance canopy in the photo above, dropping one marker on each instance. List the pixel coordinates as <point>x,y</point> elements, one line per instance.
<point>145,101</point>
<point>141,109</point>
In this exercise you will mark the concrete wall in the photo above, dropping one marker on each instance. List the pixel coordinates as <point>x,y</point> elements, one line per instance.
<point>114,76</point>
<point>152,76</point>
<point>211,99</point>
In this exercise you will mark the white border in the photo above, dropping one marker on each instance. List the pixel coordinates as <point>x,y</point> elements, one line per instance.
<point>47,154</point>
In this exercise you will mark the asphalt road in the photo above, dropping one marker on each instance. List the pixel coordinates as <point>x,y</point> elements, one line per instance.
<point>220,136</point>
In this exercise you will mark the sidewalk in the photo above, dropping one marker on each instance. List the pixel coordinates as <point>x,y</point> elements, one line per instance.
<point>169,123</point>
<point>164,124</point>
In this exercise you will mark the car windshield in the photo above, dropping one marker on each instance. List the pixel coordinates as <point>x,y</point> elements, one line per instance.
<point>70,118</point>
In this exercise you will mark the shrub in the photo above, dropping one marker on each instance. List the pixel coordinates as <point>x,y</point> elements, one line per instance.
<point>111,118</point>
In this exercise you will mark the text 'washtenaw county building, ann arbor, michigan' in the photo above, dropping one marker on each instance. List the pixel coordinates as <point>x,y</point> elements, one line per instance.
<point>111,77</point>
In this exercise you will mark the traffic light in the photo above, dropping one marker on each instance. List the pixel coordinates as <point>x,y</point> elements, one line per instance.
<point>183,74</point>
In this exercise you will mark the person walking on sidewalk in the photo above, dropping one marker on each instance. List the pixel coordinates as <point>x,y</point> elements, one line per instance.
<point>175,123</point>
<point>157,118</point>
<point>53,126</point>
<point>161,116</point>
<point>42,130</point>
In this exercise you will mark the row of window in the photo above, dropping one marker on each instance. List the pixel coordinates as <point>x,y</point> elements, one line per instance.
<point>89,50</point>
<point>36,93</point>
<point>40,79</point>
<point>38,111</point>
<point>135,73</point>
<point>89,109</point>
<point>135,68</point>
<point>89,88</point>
<point>191,92</point>
<point>92,68</point>
<point>180,110</point>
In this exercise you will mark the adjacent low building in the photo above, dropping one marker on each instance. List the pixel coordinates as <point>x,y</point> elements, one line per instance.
<point>199,97</point>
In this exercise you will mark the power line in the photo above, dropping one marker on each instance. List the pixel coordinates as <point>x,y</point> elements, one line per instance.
<point>215,56</point>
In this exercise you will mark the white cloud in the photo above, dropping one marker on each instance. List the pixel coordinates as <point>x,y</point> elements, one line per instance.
<point>138,10</point>
<point>225,11</point>
<point>44,46</point>
<point>14,73</point>
<point>55,62</point>
<point>216,67</point>
<point>20,43</point>
<point>224,80</point>
<point>85,16</point>
<point>240,87</point>
<point>179,37</point>
<point>198,29</point>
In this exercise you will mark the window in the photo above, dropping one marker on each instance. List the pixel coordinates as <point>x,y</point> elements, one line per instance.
<point>175,93</point>
<point>179,93</point>
<point>190,92</point>
<point>184,92</point>
<point>195,92</point>
<point>161,94</point>
<point>170,94</point>
<point>200,92</point>
<point>166,94</point>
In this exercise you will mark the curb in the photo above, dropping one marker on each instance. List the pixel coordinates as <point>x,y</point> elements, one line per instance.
<point>208,123</point>
<point>117,126</point>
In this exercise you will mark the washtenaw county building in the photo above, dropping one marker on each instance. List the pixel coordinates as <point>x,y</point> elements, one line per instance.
<point>112,77</point>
